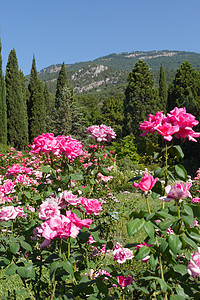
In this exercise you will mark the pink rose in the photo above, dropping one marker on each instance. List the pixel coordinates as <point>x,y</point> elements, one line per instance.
<point>91,205</point>
<point>122,254</point>
<point>147,182</point>
<point>193,267</point>
<point>177,192</point>
<point>48,209</point>
<point>123,281</point>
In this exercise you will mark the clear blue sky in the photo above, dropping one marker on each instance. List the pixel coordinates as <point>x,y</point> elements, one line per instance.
<point>80,30</point>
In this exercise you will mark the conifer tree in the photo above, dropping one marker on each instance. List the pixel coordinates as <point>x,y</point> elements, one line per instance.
<point>61,82</point>
<point>46,99</point>
<point>3,107</point>
<point>140,99</point>
<point>112,113</point>
<point>162,89</point>
<point>16,110</point>
<point>37,114</point>
<point>185,89</point>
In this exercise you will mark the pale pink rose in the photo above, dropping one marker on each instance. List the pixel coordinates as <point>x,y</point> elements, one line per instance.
<point>69,198</point>
<point>177,192</point>
<point>102,178</point>
<point>8,213</point>
<point>147,182</point>
<point>193,267</point>
<point>123,281</point>
<point>91,240</point>
<point>122,254</point>
<point>48,209</point>
<point>117,246</point>
<point>101,133</point>
<point>91,205</point>
<point>7,187</point>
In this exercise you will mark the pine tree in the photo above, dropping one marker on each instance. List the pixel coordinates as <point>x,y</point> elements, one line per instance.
<point>16,110</point>
<point>37,114</point>
<point>61,82</point>
<point>140,99</point>
<point>185,89</point>
<point>162,89</point>
<point>3,106</point>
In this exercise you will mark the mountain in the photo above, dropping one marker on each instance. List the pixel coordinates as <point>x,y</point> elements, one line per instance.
<point>110,72</point>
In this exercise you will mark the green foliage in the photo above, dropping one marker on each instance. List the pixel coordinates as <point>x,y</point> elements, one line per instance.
<point>112,113</point>
<point>185,89</point>
<point>162,90</point>
<point>37,124</point>
<point>140,99</point>
<point>61,83</point>
<point>3,106</point>
<point>126,148</point>
<point>16,108</point>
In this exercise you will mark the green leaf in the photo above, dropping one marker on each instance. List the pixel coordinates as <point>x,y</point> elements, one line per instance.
<point>14,247</point>
<point>134,226</point>
<point>163,246</point>
<point>181,269</point>
<point>142,253</point>
<point>194,236</point>
<point>65,178</point>
<point>164,225</point>
<point>163,284</point>
<point>6,223</point>
<point>177,297</point>
<point>11,270</point>
<point>188,210</point>
<point>189,220</point>
<point>68,267</point>
<point>26,246</point>
<point>104,171</point>
<point>176,151</point>
<point>159,172</point>
<point>181,172</point>
<point>45,169</point>
<point>174,243</point>
<point>27,194</point>
<point>53,267</point>
<point>77,176</point>
<point>190,242</point>
<point>26,272</point>
<point>149,228</point>
<point>153,261</point>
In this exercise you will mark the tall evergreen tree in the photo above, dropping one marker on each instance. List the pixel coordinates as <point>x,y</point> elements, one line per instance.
<point>47,99</point>
<point>185,89</point>
<point>112,113</point>
<point>16,110</point>
<point>61,82</point>
<point>162,89</point>
<point>37,115</point>
<point>3,106</point>
<point>140,99</point>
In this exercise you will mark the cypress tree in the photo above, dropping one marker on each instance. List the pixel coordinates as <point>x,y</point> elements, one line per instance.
<point>61,82</point>
<point>16,110</point>
<point>185,89</point>
<point>46,99</point>
<point>162,89</point>
<point>140,99</point>
<point>37,114</point>
<point>3,107</point>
